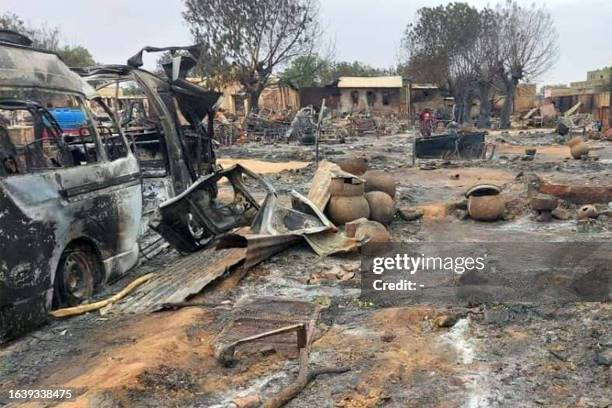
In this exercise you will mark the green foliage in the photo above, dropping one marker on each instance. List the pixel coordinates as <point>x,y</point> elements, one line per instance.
<point>76,56</point>
<point>304,71</point>
<point>246,41</point>
<point>439,34</point>
<point>312,70</point>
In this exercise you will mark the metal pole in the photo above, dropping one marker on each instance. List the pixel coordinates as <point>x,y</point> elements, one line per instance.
<point>318,132</point>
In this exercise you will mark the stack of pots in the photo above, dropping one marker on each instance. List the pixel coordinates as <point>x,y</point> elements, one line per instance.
<point>352,199</point>
<point>347,202</point>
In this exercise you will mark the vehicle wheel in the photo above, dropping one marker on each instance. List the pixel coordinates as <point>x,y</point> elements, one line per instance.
<point>75,278</point>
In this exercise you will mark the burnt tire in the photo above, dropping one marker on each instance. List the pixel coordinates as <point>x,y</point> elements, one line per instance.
<point>76,276</point>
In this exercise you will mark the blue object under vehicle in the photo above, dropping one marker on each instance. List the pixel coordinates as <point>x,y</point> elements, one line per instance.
<point>69,118</point>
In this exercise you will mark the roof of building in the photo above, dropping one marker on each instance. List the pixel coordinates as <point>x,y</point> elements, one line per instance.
<point>370,82</point>
<point>424,86</point>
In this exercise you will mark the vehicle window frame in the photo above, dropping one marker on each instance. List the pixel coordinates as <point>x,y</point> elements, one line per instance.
<point>126,144</point>
<point>41,117</point>
<point>81,101</point>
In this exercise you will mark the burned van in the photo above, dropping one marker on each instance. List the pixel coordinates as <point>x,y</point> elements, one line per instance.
<point>167,119</point>
<point>70,202</point>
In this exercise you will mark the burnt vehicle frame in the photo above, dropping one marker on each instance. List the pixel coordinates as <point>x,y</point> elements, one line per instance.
<point>173,138</point>
<point>69,208</point>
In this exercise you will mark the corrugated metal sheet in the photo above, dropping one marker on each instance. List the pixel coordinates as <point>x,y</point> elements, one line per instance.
<point>185,277</point>
<point>370,82</point>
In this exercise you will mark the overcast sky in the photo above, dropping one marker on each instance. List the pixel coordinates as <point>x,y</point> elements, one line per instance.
<point>363,30</point>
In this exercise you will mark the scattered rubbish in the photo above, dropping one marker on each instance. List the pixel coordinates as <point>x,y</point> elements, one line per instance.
<point>261,126</point>
<point>258,321</point>
<point>303,126</point>
<point>334,274</point>
<point>274,319</point>
<point>194,218</point>
<point>410,214</point>
<point>331,242</point>
<point>276,227</point>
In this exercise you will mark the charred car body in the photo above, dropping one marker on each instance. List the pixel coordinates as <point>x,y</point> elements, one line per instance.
<point>167,120</point>
<point>72,204</point>
<point>69,209</point>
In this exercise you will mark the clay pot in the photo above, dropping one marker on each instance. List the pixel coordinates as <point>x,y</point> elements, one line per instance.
<point>543,202</point>
<point>378,180</point>
<point>587,211</point>
<point>486,208</point>
<point>574,141</point>
<point>342,209</point>
<point>340,187</point>
<point>381,205</point>
<point>354,165</point>
<point>579,150</point>
<point>372,231</point>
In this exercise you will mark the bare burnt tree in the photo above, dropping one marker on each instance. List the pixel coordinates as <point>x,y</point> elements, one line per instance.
<point>464,79</point>
<point>527,48</point>
<point>246,41</point>
<point>483,56</point>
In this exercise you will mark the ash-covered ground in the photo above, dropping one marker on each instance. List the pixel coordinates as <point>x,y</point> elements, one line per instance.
<point>494,355</point>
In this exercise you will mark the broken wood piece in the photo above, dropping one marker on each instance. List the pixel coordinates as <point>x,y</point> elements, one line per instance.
<point>77,310</point>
